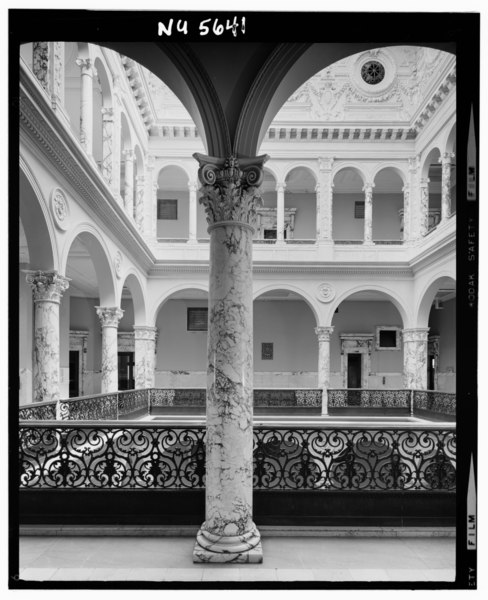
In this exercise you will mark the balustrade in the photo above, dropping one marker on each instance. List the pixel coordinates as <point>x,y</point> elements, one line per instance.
<point>150,456</point>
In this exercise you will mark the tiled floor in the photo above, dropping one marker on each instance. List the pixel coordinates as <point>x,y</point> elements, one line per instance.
<point>285,559</point>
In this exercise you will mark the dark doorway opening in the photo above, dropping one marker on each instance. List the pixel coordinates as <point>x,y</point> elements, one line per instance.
<point>126,370</point>
<point>74,373</point>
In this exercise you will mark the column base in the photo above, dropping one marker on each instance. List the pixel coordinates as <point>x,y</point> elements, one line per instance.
<point>202,555</point>
<point>211,548</point>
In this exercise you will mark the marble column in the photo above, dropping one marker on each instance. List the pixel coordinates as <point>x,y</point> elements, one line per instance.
<point>192,221</point>
<point>324,207</point>
<point>109,318</point>
<point>86,107</point>
<point>129,182</point>
<point>107,144</point>
<point>40,63</point>
<point>230,195</point>
<point>446,160</point>
<point>280,212</point>
<point>406,212</point>
<point>415,345</point>
<point>424,207</point>
<point>47,287</point>
<point>368,212</point>
<point>145,356</point>
<point>139,209</point>
<point>323,334</point>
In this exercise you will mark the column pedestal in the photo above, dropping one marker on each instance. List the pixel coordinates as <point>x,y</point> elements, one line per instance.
<point>109,319</point>
<point>47,289</point>
<point>230,196</point>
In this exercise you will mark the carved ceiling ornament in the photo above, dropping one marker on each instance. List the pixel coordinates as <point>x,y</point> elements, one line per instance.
<point>325,292</point>
<point>361,76</point>
<point>60,209</point>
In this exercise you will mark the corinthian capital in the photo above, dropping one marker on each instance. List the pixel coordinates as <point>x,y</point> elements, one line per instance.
<point>86,66</point>
<point>109,315</point>
<point>324,333</point>
<point>47,285</point>
<point>230,187</point>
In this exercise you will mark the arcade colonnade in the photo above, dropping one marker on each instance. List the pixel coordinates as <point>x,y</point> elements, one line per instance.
<point>88,195</point>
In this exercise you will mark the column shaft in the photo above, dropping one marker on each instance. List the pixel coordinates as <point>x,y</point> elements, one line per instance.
<point>445,160</point>
<point>415,345</point>
<point>368,213</point>
<point>230,196</point>
<point>47,289</point>
<point>424,207</point>
<point>280,212</point>
<point>145,356</point>
<point>109,319</point>
<point>107,144</point>
<point>86,106</point>
<point>324,334</point>
<point>324,200</point>
<point>139,208</point>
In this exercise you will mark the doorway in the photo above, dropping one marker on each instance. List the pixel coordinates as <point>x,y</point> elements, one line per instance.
<point>126,370</point>
<point>354,370</point>
<point>74,373</point>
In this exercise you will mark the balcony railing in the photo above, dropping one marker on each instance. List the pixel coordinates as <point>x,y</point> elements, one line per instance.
<point>138,457</point>
<point>137,403</point>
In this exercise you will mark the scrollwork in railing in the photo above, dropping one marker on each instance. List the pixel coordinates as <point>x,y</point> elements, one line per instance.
<point>343,398</point>
<point>97,408</point>
<point>133,457</point>
<point>354,459</point>
<point>111,457</point>
<point>133,401</point>
<point>435,401</point>
<point>45,411</point>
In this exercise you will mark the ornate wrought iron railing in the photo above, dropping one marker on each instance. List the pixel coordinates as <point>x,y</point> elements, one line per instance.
<point>434,401</point>
<point>131,403</point>
<point>40,411</point>
<point>60,455</point>
<point>344,398</point>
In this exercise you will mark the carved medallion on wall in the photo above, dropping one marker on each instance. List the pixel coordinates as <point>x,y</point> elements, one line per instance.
<point>373,74</point>
<point>118,264</point>
<point>325,292</point>
<point>60,209</point>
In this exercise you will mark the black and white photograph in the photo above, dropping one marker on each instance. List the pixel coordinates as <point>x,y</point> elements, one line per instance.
<point>238,357</point>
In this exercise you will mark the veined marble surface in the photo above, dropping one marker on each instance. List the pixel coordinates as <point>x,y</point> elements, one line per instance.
<point>109,319</point>
<point>229,533</point>
<point>415,346</point>
<point>145,357</point>
<point>323,334</point>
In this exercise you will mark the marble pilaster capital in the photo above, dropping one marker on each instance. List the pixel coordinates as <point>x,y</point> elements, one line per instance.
<point>326,163</point>
<point>86,65</point>
<point>424,182</point>
<point>128,154</point>
<point>109,315</point>
<point>140,180</point>
<point>107,113</point>
<point>446,158</point>
<point>143,332</point>
<point>47,286</point>
<point>280,187</point>
<point>150,162</point>
<point>230,188</point>
<point>368,188</point>
<point>324,333</point>
<point>413,163</point>
<point>420,334</point>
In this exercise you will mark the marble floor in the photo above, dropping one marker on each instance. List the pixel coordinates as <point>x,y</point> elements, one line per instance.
<point>302,558</point>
